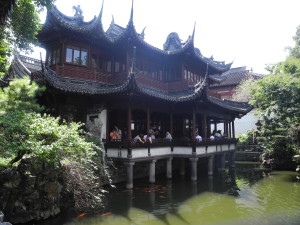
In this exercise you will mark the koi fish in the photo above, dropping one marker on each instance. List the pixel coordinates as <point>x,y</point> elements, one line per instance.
<point>106,214</point>
<point>80,215</point>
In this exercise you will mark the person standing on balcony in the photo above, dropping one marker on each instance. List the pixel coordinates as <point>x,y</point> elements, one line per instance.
<point>147,138</point>
<point>113,135</point>
<point>119,132</point>
<point>168,136</point>
<point>198,137</point>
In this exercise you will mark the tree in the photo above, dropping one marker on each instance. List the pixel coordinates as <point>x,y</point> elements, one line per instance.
<point>243,90</point>
<point>21,29</point>
<point>25,132</point>
<point>277,100</point>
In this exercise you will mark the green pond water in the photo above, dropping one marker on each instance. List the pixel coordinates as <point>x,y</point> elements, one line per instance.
<point>246,195</point>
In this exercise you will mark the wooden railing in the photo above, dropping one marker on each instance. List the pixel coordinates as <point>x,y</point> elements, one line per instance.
<point>84,73</point>
<point>165,142</point>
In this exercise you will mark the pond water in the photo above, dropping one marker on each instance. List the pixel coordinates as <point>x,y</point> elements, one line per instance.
<point>246,195</point>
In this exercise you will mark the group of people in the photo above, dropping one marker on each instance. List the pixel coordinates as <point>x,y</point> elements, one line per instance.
<point>216,135</point>
<point>116,134</point>
<point>148,138</point>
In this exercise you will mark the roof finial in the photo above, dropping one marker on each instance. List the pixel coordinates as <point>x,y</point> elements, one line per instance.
<point>143,33</point>
<point>193,35</point>
<point>131,14</point>
<point>112,19</point>
<point>101,11</point>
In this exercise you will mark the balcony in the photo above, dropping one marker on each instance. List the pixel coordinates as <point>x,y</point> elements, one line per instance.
<point>162,148</point>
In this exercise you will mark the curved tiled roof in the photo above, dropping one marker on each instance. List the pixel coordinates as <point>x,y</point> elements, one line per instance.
<point>56,21</point>
<point>233,77</point>
<point>242,107</point>
<point>130,85</point>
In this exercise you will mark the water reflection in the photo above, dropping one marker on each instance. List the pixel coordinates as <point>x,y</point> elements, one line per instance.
<point>231,197</point>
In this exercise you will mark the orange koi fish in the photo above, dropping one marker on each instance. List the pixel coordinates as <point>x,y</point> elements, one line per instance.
<point>106,214</point>
<point>80,215</point>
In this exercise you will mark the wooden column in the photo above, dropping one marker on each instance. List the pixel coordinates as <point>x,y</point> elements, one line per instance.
<point>129,123</point>
<point>204,127</point>
<point>226,128</point>
<point>148,120</point>
<point>229,135</point>
<point>171,124</point>
<point>208,125</point>
<point>194,124</point>
<point>233,131</point>
<point>107,125</point>
<point>216,127</point>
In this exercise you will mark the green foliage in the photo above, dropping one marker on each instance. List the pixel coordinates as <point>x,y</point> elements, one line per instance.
<point>277,100</point>
<point>21,29</point>
<point>247,139</point>
<point>23,131</point>
<point>20,95</point>
<point>42,137</point>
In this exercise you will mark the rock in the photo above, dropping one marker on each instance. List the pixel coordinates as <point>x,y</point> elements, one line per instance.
<point>2,218</point>
<point>32,191</point>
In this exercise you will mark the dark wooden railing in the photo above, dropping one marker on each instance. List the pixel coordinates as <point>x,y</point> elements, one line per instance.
<point>125,144</point>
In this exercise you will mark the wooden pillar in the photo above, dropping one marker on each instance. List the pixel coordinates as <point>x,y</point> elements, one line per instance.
<point>208,126</point>
<point>216,127</point>
<point>194,168</point>
<point>211,165</point>
<point>169,168</point>
<point>148,120</point>
<point>152,171</point>
<point>107,125</point>
<point>171,124</point>
<point>194,124</point>
<point>233,130</point>
<point>129,123</point>
<point>204,127</point>
<point>229,135</point>
<point>226,128</point>
<point>129,170</point>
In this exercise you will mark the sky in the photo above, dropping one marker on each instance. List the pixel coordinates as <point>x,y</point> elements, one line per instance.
<point>251,33</point>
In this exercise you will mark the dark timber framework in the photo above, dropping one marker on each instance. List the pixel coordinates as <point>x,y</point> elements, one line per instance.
<point>116,78</point>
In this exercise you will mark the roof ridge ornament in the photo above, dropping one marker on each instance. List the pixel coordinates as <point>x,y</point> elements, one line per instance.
<point>131,13</point>
<point>101,11</point>
<point>78,12</point>
<point>193,35</point>
<point>112,19</point>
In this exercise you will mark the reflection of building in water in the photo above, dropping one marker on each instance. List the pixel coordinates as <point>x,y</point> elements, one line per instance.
<point>114,78</point>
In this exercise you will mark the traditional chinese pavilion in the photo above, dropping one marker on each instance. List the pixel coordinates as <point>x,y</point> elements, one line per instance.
<point>114,78</point>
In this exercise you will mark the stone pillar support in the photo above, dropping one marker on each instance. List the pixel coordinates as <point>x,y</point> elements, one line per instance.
<point>129,170</point>
<point>182,166</point>
<point>222,162</point>
<point>169,168</point>
<point>193,168</point>
<point>211,165</point>
<point>232,159</point>
<point>152,171</point>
